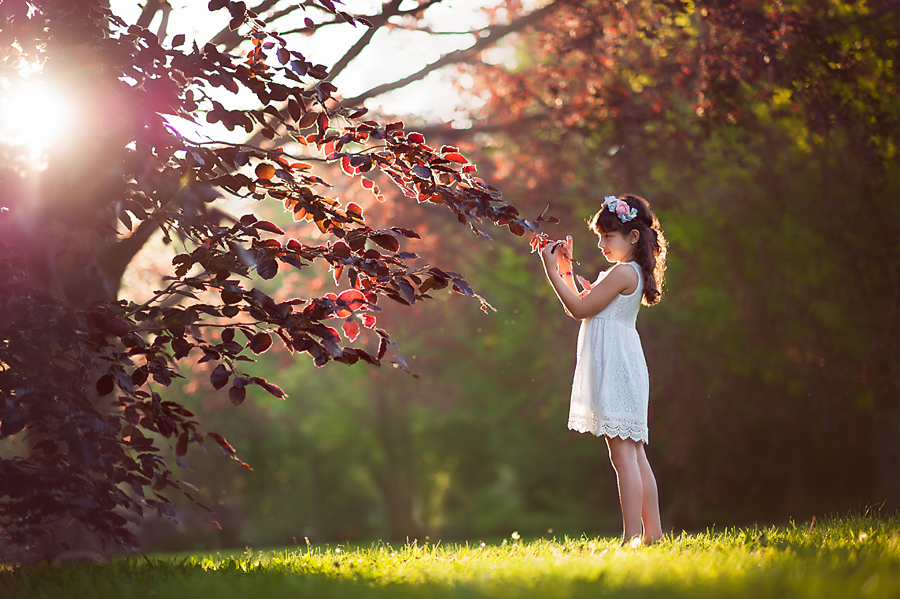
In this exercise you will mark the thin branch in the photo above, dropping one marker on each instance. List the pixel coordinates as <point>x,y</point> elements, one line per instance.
<point>372,19</point>
<point>448,133</point>
<point>294,156</point>
<point>496,33</point>
<point>390,9</point>
<point>431,31</point>
<point>259,149</point>
<point>168,290</point>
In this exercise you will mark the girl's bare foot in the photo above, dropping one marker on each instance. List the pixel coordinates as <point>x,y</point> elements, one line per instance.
<point>632,543</point>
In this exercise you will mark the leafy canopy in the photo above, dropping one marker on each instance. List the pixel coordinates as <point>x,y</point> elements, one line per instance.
<point>84,373</point>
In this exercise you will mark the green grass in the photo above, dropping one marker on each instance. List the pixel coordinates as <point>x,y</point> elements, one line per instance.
<point>841,557</point>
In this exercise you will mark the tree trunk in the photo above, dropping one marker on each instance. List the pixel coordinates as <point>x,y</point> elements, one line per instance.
<point>396,473</point>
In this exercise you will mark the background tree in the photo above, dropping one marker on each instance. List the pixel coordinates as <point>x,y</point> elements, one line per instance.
<point>767,136</point>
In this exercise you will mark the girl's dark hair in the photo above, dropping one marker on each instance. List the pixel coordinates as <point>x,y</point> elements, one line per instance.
<point>650,249</point>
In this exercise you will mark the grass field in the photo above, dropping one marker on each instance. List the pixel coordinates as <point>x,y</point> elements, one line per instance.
<point>838,557</point>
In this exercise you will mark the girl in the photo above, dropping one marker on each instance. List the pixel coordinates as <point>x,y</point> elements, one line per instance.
<point>611,387</point>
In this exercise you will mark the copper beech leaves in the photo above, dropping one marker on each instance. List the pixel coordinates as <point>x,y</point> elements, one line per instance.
<point>260,343</point>
<point>351,330</point>
<point>237,395</point>
<point>219,377</point>
<point>265,171</point>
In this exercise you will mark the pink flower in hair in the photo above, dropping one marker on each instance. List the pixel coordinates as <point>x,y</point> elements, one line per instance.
<point>622,207</point>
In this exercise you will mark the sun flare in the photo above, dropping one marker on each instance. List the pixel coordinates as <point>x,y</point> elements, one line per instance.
<point>34,116</point>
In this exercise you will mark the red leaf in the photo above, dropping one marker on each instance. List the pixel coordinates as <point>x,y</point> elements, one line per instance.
<point>267,226</point>
<point>355,300</point>
<point>294,109</point>
<point>269,387</point>
<point>219,377</point>
<point>322,122</point>
<point>388,242</point>
<point>267,268</point>
<point>227,449</point>
<point>308,120</point>
<point>181,446</point>
<point>368,320</point>
<point>355,209</point>
<point>407,290</point>
<point>105,385</point>
<point>237,395</point>
<point>346,167</point>
<point>422,171</point>
<point>265,171</point>
<point>260,343</point>
<point>416,138</point>
<point>351,330</point>
<point>456,157</point>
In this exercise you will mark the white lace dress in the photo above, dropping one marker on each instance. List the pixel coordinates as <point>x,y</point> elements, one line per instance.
<point>611,389</point>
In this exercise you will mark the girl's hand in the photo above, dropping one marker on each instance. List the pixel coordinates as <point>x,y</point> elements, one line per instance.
<point>550,252</point>
<point>564,261</point>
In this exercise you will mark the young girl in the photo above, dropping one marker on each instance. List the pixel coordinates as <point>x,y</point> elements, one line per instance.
<point>611,387</point>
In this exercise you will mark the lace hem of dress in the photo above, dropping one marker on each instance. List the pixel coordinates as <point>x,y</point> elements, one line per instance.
<point>582,424</point>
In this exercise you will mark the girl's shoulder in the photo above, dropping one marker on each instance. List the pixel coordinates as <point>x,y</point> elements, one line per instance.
<point>629,270</point>
<point>627,276</point>
<point>622,277</point>
<point>626,270</point>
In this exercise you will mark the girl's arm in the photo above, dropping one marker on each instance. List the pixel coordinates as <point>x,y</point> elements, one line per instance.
<point>565,267</point>
<point>620,279</point>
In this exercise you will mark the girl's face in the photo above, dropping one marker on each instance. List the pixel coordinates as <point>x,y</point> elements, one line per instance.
<point>617,247</point>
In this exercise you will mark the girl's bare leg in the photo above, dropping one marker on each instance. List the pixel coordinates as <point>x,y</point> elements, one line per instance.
<point>650,502</point>
<point>623,453</point>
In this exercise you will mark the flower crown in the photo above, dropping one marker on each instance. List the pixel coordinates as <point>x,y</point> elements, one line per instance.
<point>620,208</point>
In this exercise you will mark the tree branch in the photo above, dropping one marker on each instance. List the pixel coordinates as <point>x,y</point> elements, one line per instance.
<point>495,34</point>
<point>443,132</point>
<point>371,19</point>
<point>148,12</point>
<point>431,31</point>
<point>390,9</point>
<point>164,23</point>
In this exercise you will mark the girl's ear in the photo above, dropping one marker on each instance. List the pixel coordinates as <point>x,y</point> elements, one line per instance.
<point>633,236</point>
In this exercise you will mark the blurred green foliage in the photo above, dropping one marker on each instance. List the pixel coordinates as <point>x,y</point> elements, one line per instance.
<point>775,379</point>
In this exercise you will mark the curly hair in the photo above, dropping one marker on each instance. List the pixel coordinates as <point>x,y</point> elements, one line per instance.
<point>650,249</point>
